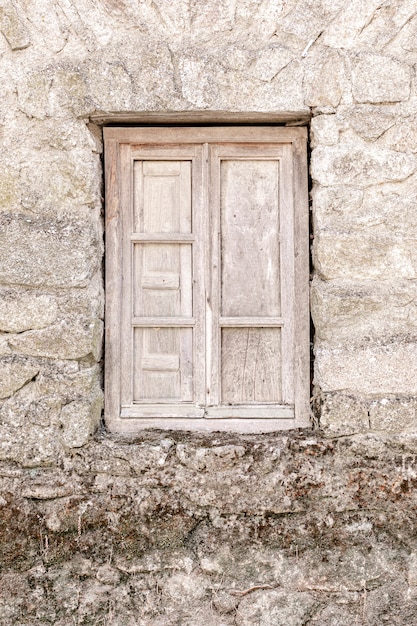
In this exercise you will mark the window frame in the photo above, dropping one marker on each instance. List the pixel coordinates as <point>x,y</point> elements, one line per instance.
<point>118,142</point>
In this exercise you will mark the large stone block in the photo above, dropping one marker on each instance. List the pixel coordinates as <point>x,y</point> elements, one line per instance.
<point>65,340</point>
<point>335,205</point>
<point>22,310</point>
<point>325,67</point>
<point>379,78</point>
<point>344,32</point>
<point>387,209</point>
<point>343,414</point>
<point>370,121</point>
<point>366,165</point>
<point>49,252</point>
<point>306,20</point>
<point>364,257</point>
<point>386,23</point>
<point>9,187</point>
<point>350,312</point>
<point>61,184</point>
<point>68,380</point>
<point>376,370</point>
<point>28,448</point>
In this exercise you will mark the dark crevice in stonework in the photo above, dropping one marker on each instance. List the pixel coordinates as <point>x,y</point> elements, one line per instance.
<point>315,403</point>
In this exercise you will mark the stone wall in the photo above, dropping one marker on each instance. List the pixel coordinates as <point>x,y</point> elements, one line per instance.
<point>173,529</point>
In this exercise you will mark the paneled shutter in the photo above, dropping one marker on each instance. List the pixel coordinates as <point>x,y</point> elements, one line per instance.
<point>207,322</point>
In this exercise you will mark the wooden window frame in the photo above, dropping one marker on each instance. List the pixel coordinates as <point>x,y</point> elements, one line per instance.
<point>123,142</point>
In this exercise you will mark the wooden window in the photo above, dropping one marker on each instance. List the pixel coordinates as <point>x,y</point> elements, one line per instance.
<point>207,323</point>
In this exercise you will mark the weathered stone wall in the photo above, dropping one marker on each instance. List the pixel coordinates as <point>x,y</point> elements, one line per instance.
<point>173,530</point>
<point>168,529</point>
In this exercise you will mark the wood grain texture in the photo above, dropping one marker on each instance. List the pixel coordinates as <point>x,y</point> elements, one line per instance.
<point>207,117</point>
<point>163,366</point>
<point>113,283</point>
<point>250,365</point>
<point>249,209</point>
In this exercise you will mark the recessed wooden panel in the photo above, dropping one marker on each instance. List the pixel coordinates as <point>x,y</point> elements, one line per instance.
<point>250,365</point>
<point>249,208</point>
<point>162,280</point>
<point>162,196</point>
<point>163,364</point>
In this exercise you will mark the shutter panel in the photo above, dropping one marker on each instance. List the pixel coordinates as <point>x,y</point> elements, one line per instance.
<point>248,262</point>
<point>159,322</point>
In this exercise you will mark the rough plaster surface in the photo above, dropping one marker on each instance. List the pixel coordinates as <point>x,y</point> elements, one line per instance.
<point>167,532</point>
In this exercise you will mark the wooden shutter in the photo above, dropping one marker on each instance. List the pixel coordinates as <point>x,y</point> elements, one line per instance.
<point>207,323</point>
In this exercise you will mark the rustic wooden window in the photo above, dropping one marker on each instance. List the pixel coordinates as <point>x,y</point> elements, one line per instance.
<point>207,324</point>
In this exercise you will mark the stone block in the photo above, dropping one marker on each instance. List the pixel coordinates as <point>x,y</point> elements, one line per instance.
<point>67,380</point>
<point>269,62</point>
<point>28,447</point>
<point>70,91</point>
<point>353,312</point>
<point>371,121</point>
<point>49,252</point>
<point>64,340</point>
<point>324,67</point>
<point>14,373</point>
<point>219,457</point>
<point>13,27</point>
<point>386,23</point>
<point>21,310</point>
<point>61,186</point>
<point>361,257</point>
<point>343,414</point>
<point>335,205</point>
<point>185,587</point>
<point>344,32</point>
<point>5,349</point>
<point>350,164</point>
<point>307,19</point>
<point>109,85</point>
<point>78,420</point>
<point>386,210</point>
<point>33,94</point>
<point>324,130</point>
<point>393,414</point>
<point>401,136</point>
<point>378,78</point>
<point>9,187</point>
<point>377,370</point>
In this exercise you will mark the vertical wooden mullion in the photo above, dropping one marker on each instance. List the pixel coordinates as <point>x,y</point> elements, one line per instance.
<point>286,205</point>
<point>214,278</point>
<point>198,205</point>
